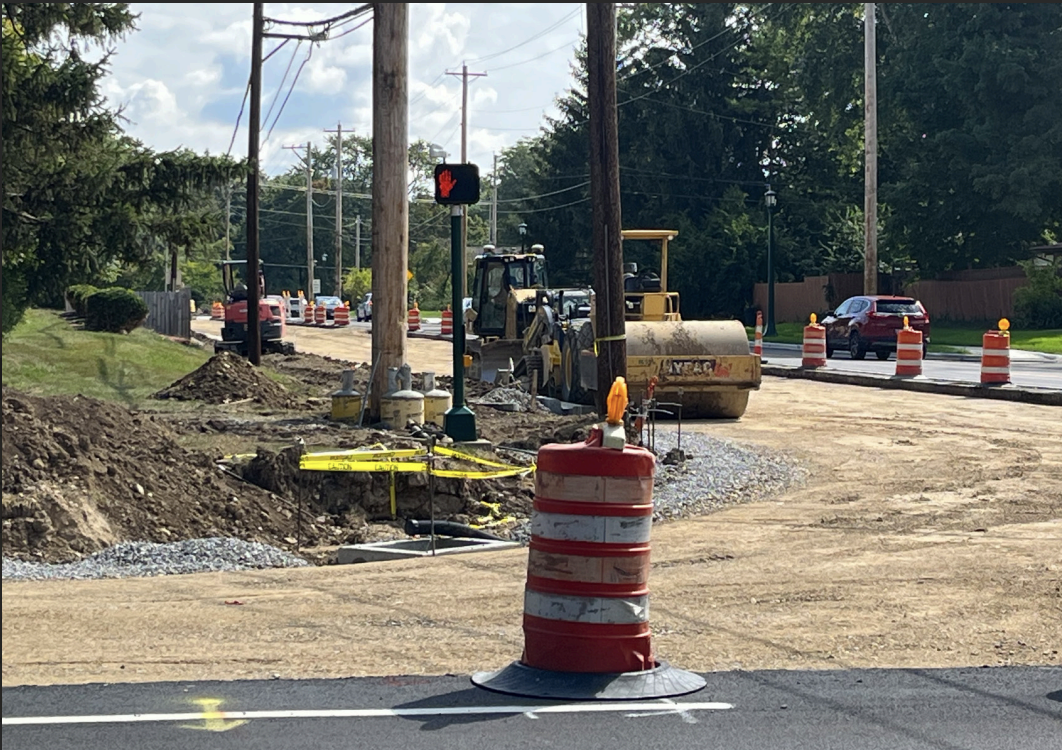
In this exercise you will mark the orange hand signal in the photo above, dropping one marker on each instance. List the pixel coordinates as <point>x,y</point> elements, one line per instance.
<point>446,183</point>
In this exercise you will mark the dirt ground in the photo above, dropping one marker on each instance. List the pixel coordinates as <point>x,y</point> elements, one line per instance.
<point>928,534</point>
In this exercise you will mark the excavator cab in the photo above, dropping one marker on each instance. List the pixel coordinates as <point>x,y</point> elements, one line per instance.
<point>505,292</point>
<point>234,279</point>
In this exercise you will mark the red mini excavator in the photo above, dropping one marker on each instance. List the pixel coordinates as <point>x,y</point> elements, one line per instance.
<point>270,315</point>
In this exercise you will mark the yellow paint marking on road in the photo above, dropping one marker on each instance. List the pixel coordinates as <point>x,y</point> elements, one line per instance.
<point>213,719</point>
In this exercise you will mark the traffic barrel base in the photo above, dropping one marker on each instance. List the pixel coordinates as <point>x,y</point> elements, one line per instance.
<point>662,681</point>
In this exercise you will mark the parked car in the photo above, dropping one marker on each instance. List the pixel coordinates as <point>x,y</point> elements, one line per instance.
<point>364,309</point>
<point>330,303</point>
<point>870,322</point>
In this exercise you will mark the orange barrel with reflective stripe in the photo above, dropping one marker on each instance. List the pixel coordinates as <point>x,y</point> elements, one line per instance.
<point>320,315</point>
<point>908,352</point>
<point>757,347</point>
<point>341,315</point>
<point>995,358</point>
<point>414,319</point>
<point>308,314</point>
<point>814,352</point>
<point>586,601</point>
<point>447,322</point>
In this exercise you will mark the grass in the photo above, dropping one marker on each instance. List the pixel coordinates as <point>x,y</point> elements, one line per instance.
<point>48,355</point>
<point>946,337</point>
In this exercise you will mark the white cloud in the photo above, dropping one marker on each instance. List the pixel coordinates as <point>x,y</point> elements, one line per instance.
<point>182,75</point>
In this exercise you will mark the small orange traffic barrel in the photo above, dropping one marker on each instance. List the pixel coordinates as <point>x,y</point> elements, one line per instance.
<point>414,318</point>
<point>586,599</point>
<point>320,315</point>
<point>308,314</point>
<point>341,315</point>
<point>908,351</point>
<point>814,354</point>
<point>447,321</point>
<point>217,311</point>
<point>757,347</point>
<point>995,355</point>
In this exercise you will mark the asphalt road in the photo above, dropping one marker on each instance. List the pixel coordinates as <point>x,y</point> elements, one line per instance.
<point>1027,369</point>
<point>967,709</point>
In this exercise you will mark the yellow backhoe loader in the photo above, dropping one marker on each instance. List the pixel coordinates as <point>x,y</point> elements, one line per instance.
<point>548,337</point>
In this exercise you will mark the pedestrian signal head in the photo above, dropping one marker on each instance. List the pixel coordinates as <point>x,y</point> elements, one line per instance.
<point>456,184</point>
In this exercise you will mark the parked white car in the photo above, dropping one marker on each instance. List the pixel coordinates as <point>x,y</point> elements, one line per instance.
<point>364,309</point>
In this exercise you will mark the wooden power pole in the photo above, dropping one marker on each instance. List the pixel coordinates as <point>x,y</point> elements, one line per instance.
<point>254,333</point>
<point>609,327</point>
<point>390,204</point>
<point>870,124</point>
<point>339,209</point>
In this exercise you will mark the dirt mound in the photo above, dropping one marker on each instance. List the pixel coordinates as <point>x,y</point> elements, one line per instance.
<point>81,474</point>
<point>321,374</point>
<point>227,378</point>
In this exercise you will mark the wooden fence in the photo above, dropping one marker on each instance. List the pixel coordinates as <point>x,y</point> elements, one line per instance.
<point>970,296</point>
<point>169,313</point>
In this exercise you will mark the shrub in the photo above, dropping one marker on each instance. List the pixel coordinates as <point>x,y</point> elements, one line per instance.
<point>78,295</point>
<point>1038,305</point>
<point>116,310</point>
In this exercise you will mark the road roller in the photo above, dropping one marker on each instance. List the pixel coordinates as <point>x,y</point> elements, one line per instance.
<point>525,330</point>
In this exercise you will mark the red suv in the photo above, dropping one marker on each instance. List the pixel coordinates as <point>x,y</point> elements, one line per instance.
<point>869,323</point>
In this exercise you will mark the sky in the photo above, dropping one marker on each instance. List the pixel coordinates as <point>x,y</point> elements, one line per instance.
<point>181,77</point>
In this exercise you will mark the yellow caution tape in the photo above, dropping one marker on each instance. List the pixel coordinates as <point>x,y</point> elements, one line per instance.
<point>371,466</point>
<point>620,337</point>
<point>459,474</point>
<point>374,460</point>
<point>369,454</point>
<point>443,451</point>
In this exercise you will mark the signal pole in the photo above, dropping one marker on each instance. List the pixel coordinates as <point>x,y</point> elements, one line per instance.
<point>390,197</point>
<point>310,264</point>
<point>254,333</point>
<point>464,74</point>
<point>870,124</point>
<point>339,208</point>
<point>357,243</point>
<point>609,327</point>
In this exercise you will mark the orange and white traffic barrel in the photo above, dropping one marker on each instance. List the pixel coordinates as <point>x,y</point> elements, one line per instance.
<point>447,321</point>
<point>995,355</point>
<point>341,315</point>
<point>414,318</point>
<point>586,599</point>
<point>814,352</point>
<point>320,315</point>
<point>308,314</point>
<point>217,311</point>
<point>908,351</point>
<point>757,347</point>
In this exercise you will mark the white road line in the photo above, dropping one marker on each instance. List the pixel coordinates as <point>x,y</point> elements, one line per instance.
<point>369,713</point>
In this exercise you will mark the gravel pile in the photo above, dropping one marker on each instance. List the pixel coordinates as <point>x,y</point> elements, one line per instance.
<point>715,474</point>
<point>523,400</point>
<point>129,559</point>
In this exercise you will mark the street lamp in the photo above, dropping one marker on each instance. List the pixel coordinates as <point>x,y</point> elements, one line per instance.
<point>770,199</point>
<point>522,229</point>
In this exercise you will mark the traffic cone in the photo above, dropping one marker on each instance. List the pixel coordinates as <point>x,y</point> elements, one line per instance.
<point>757,347</point>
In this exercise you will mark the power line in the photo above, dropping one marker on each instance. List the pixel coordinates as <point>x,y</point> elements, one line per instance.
<point>549,208</point>
<point>545,195</point>
<point>540,34</point>
<point>532,59</point>
<point>327,21</point>
<point>280,86</point>
<point>349,31</point>
<point>239,116</point>
<point>283,104</point>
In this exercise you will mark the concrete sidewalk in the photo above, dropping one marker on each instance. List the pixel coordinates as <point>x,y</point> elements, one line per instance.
<point>967,354</point>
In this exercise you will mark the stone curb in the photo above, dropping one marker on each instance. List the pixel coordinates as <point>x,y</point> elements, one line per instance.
<point>1041,396</point>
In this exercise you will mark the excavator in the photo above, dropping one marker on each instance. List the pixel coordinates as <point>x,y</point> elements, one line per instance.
<point>270,315</point>
<point>524,329</point>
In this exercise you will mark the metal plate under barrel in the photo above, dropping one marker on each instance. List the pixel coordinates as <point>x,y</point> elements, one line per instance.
<point>663,681</point>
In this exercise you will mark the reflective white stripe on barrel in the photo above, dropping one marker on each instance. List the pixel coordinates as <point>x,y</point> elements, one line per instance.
<point>589,609</point>
<point>581,489</point>
<point>995,370</point>
<point>601,529</point>
<point>904,347</point>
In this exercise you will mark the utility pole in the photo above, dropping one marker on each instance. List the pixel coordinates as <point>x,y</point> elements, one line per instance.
<point>228,221</point>
<point>609,327</point>
<point>357,243</point>
<point>254,333</point>
<point>870,124</point>
<point>390,199</point>
<point>310,263</point>
<point>494,203</point>
<point>464,74</point>
<point>339,208</point>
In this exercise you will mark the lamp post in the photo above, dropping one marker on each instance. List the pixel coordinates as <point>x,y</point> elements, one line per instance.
<point>770,199</point>
<point>522,229</point>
